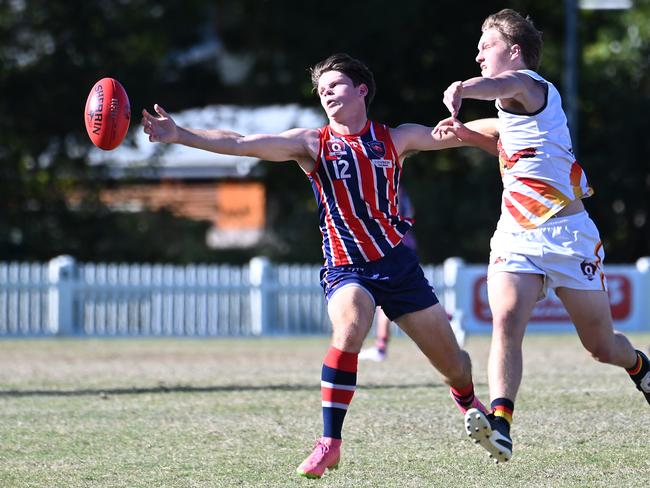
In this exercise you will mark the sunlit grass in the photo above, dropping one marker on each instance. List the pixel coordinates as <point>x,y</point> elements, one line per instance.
<point>221,413</point>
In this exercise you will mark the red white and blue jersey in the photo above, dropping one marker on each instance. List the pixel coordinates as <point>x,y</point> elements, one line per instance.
<point>355,182</point>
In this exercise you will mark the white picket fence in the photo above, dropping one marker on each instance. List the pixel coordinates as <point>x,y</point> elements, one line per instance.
<point>64,297</point>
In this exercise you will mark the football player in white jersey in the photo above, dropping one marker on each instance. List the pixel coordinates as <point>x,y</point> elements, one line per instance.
<point>544,237</point>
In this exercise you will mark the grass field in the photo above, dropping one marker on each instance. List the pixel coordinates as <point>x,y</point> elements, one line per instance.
<point>222,413</point>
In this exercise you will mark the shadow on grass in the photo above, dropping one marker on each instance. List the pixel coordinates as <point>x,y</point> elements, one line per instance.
<point>195,389</point>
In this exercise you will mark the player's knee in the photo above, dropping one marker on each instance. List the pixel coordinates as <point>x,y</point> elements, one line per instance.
<point>603,353</point>
<point>506,323</point>
<point>347,337</point>
<point>503,316</point>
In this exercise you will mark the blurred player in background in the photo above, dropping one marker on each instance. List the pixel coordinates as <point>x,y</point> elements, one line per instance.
<point>382,322</point>
<point>354,166</point>
<point>544,237</point>
<point>379,351</point>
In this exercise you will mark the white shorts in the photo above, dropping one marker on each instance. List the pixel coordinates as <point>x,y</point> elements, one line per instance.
<point>566,251</point>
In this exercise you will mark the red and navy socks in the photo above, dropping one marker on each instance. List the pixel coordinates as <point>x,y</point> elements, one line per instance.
<point>338,383</point>
<point>381,344</point>
<point>464,397</point>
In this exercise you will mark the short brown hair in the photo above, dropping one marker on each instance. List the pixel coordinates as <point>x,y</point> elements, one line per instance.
<point>516,29</point>
<point>352,68</point>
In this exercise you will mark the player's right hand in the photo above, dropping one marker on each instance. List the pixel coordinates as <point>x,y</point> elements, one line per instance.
<point>161,128</point>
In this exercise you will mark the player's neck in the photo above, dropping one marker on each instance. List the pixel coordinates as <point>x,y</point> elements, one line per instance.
<point>352,125</point>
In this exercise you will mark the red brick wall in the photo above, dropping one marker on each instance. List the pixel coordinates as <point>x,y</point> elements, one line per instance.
<point>228,205</point>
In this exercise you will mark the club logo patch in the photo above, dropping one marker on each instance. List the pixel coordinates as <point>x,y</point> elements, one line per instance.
<point>335,149</point>
<point>589,269</point>
<point>375,149</point>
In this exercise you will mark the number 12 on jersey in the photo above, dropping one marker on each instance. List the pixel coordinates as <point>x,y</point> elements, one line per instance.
<point>341,169</point>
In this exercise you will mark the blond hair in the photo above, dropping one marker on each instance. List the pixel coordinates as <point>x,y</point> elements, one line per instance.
<point>516,29</point>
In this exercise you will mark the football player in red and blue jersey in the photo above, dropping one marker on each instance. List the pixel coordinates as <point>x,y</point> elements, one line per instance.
<point>354,166</point>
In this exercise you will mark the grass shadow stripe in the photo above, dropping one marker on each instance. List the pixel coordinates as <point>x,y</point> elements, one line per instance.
<point>194,389</point>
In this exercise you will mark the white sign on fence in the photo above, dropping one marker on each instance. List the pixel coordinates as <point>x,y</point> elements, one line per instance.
<point>629,294</point>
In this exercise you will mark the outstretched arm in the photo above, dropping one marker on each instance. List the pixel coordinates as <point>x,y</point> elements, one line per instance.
<point>293,145</point>
<point>508,85</point>
<point>415,137</point>
<point>487,127</point>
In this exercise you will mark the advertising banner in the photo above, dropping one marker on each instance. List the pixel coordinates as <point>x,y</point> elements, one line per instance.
<point>628,289</point>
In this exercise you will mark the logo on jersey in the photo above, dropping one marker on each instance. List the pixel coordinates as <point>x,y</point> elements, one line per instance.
<point>375,149</point>
<point>382,163</point>
<point>589,269</point>
<point>335,149</point>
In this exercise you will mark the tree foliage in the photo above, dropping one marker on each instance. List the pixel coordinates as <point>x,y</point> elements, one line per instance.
<point>614,103</point>
<point>51,53</point>
<point>259,52</point>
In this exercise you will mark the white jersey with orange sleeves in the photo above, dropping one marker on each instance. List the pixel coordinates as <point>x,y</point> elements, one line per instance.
<point>539,171</point>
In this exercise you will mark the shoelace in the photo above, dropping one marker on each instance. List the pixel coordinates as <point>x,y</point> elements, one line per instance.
<point>319,450</point>
<point>322,448</point>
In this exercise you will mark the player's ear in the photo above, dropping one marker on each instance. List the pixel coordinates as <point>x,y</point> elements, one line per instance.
<point>515,51</point>
<point>363,89</point>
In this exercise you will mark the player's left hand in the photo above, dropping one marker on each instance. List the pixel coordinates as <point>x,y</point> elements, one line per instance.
<point>451,125</point>
<point>453,98</point>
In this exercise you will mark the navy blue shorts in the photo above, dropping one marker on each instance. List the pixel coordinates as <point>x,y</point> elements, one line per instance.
<point>395,282</point>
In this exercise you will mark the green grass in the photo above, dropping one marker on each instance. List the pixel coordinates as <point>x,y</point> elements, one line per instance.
<point>222,413</point>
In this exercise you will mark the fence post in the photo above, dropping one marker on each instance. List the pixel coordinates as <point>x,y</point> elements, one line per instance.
<point>260,280</point>
<point>62,275</point>
<point>643,267</point>
<point>451,270</point>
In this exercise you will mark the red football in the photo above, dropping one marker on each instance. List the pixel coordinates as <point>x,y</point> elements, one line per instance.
<point>107,114</point>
